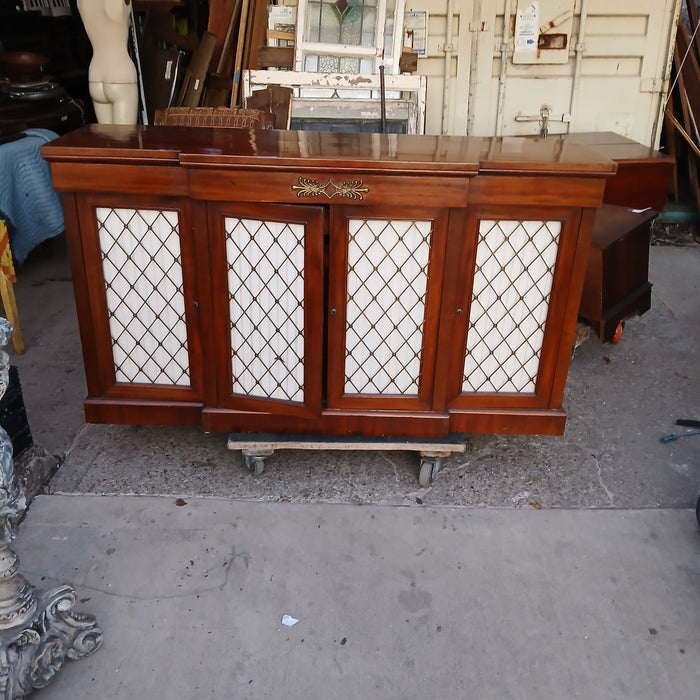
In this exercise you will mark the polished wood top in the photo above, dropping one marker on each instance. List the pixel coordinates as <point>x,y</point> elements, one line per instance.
<point>527,154</point>
<point>106,143</point>
<point>618,148</point>
<point>612,220</point>
<point>269,149</point>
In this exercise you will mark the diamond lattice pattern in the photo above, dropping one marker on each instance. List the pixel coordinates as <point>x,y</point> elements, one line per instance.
<point>512,283</point>
<point>266,302</point>
<point>145,300</point>
<point>386,288</point>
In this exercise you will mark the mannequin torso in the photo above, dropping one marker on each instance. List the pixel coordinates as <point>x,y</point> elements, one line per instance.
<point>112,74</point>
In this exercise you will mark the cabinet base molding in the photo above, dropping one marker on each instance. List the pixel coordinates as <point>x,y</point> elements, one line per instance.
<point>142,412</point>
<point>372,424</point>
<point>509,421</point>
<point>330,422</point>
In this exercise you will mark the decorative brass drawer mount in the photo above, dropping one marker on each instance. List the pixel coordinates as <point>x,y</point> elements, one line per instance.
<point>349,189</point>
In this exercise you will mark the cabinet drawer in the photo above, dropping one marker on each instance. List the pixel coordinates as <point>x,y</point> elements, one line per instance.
<point>125,179</point>
<point>327,187</point>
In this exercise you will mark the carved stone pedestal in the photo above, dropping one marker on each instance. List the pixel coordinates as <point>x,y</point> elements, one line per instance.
<point>38,628</point>
<point>32,652</point>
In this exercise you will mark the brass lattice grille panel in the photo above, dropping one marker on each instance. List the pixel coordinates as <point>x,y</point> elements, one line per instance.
<point>266,303</point>
<point>386,287</point>
<point>512,283</point>
<point>145,300</point>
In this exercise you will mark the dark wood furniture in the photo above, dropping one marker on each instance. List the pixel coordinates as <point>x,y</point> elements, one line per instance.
<point>643,176</point>
<point>617,285</point>
<point>334,283</point>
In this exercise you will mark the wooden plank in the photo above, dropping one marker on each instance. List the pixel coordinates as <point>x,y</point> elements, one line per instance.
<point>193,84</point>
<point>221,14</point>
<point>671,141</point>
<point>7,292</point>
<point>281,35</point>
<point>238,60</point>
<point>255,33</point>
<point>276,57</point>
<point>694,21</point>
<point>689,78</point>
<point>276,100</point>
<point>217,91</point>
<point>9,303</point>
<point>256,443</point>
<point>281,105</point>
<point>683,132</point>
<point>683,129</point>
<point>224,61</point>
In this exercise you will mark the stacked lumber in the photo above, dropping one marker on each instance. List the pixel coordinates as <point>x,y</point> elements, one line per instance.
<point>210,64</point>
<point>682,114</point>
<point>240,27</point>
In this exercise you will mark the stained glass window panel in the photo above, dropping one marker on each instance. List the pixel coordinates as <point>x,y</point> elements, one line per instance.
<point>349,22</point>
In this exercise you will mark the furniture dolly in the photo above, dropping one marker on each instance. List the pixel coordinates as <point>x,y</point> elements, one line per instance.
<point>255,448</point>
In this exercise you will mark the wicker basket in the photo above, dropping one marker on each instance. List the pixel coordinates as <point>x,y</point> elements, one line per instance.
<point>214,116</point>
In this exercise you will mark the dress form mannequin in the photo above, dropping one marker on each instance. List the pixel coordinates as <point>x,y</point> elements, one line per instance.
<point>112,74</point>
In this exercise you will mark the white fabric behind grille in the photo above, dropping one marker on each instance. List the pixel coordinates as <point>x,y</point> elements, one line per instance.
<point>266,292</point>
<point>146,305</point>
<point>512,283</point>
<point>386,287</point>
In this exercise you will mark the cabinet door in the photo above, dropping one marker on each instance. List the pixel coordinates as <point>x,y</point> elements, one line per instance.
<point>386,266</point>
<point>267,287</point>
<point>508,306</point>
<point>140,314</point>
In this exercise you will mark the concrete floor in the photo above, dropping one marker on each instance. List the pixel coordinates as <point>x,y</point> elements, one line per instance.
<point>534,567</point>
<point>419,602</point>
<point>620,400</point>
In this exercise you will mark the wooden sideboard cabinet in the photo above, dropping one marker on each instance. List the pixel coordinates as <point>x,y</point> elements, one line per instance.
<point>306,282</point>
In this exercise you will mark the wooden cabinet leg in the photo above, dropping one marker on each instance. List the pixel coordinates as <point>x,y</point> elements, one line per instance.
<point>7,292</point>
<point>10,305</point>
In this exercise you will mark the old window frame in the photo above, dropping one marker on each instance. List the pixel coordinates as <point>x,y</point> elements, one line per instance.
<point>376,54</point>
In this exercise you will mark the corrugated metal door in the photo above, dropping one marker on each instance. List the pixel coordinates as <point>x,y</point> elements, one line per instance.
<point>587,65</point>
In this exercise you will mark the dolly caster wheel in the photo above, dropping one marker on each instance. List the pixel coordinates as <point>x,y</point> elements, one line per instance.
<point>429,467</point>
<point>254,464</point>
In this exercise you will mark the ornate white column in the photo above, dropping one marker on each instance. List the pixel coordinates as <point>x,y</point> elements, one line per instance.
<point>38,628</point>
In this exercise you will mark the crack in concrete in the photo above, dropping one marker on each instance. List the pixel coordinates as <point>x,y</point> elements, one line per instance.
<point>231,558</point>
<point>393,464</point>
<point>483,453</point>
<point>608,492</point>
